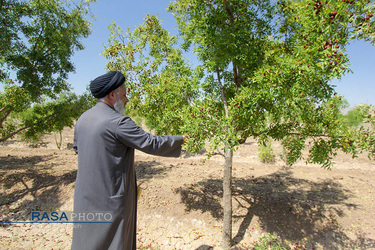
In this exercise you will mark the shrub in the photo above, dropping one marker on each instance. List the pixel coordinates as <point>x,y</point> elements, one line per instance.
<point>266,154</point>
<point>270,241</point>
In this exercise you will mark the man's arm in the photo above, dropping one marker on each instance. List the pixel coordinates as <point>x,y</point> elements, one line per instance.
<point>135,137</point>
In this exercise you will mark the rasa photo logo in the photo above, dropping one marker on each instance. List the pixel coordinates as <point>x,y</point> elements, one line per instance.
<point>70,217</point>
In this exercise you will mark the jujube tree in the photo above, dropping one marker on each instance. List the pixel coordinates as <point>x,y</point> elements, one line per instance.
<point>266,71</point>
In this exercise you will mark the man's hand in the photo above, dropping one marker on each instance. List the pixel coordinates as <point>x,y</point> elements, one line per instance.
<point>185,136</point>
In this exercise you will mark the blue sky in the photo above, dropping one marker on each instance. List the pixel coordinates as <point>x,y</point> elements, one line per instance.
<point>357,88</point>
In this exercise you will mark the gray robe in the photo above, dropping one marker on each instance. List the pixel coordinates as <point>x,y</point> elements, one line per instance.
<point>105,141</point>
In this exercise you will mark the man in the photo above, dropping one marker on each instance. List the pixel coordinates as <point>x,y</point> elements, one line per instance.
<point>105,140</point>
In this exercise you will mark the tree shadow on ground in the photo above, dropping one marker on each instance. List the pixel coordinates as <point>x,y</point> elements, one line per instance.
<point>8,142</point>
<point>30,186</point>
<point>293,208</point>
<point>146,170</point>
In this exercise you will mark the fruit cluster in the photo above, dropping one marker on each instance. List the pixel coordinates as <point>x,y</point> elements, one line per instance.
<point>332,16</point>
<point>369,15</point>
<point>318,7</point>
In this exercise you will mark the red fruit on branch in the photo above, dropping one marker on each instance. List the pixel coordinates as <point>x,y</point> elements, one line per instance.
<point>332,15</point>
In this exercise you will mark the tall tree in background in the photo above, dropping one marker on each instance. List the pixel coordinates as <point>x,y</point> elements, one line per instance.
<point>267,69</point>
<point>37,40</point>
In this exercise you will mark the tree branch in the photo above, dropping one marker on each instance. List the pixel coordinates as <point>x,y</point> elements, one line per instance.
<point>235,67</point>
<point>222,93</point>
<point>243,140</point>
<point>230,12</point>
<point>217,153</point>
<point>235,75</point>
<point>4,117</point>
<point>311,135</point>
<point>48,118</point>
<point>14,133</point>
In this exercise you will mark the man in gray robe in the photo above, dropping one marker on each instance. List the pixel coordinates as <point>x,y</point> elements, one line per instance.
<point>105,141</point>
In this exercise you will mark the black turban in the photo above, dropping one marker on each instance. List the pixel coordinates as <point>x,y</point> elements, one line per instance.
<point>104,84</point>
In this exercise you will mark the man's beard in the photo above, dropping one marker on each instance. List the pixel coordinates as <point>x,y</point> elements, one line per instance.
<point>119,106</point>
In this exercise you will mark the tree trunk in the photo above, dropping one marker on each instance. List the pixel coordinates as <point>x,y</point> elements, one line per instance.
<point>58,143</point>
<point>227,180</point>
<point>227,197</point>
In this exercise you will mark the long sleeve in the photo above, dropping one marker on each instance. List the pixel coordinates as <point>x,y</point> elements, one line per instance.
<point>75,142</point>
<point>133,136</point>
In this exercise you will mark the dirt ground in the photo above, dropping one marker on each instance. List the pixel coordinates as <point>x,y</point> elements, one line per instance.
<point>181,206</point>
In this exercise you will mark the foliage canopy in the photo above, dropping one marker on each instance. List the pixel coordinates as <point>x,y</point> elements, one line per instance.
<point>37,40</point>
<point>265,71</point>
